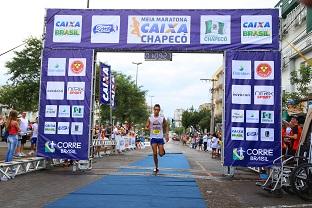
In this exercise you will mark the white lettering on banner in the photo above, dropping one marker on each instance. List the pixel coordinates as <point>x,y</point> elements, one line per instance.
<point>215,29</point>
<point>159,29</point>
<point>254,154</point>
<point>238,116</point>
<point>105,84</point>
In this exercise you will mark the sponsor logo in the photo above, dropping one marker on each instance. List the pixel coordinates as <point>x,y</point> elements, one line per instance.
<point>252,134</point>
<point>77,111</point>
<point>159,29</point>
<point>49,147</point>
<point>64,147</point>
<point>76,128</point>
<point>237,133</point>
<point>215,29</point>
<point>237,115</point>
<point>261,155</point>
<point>264,95</point>
<point>67,28</point>
<point>241,94</point>
<point>267,117</point>
<point>49,127</point>
<point>56,66</point>
<point>264,70</point>
<point>77,67</point>
<point>55,91</point>
<point>63,128</point>
<point>256,29</point>
<point>267,134</point>
<point>50,110</point>
<point>105,84</point>
<point>105,29</point>
<point>64,111</point>
<point>75,90</point>
<point>241,69</point>
<point>238,154</point>
<point>252,116</point>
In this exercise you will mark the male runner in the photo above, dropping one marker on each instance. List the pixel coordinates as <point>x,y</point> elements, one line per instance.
<point>157,125</point>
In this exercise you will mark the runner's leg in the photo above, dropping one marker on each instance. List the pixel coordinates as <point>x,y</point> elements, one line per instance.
<point>161,150</point>
<point>154,147</point>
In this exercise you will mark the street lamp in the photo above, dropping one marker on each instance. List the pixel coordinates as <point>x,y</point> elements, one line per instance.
<point>136,76</point>
<point>151,96</point>
<point>88,3</point>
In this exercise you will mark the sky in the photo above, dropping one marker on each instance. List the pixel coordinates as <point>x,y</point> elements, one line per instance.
<point>180,86</point>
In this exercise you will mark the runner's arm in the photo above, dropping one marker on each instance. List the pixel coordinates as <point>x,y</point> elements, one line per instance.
<point>147,125</point>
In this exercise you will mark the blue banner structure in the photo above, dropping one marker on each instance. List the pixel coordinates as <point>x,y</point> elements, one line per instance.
<point>252,131</point>
<point>163,30</point>
<point>65,104</point>
<point>105,84</point>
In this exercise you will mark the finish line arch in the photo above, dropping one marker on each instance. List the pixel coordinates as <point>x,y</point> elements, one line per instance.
<point>249,39</point>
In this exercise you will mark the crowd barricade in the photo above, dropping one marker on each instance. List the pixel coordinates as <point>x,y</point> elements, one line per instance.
<point>124,143</point>
<point>103,146</point>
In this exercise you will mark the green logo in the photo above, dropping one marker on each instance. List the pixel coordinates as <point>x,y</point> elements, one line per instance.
<point>238,154</point>
<point>214,27</point>
<point>49,147</point>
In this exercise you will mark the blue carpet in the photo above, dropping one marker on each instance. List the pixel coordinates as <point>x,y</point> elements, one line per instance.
<point>138,191</point>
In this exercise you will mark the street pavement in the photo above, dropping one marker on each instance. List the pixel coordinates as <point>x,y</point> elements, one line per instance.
<point>47,187</point>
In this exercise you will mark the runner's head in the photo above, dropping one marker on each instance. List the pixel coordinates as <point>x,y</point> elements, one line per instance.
<point>156,109</point>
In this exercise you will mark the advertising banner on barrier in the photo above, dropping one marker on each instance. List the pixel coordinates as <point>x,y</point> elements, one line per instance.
<point>163,30</point>
<point>105,84</point>
<point>252,125</point>
<point>65,100</point>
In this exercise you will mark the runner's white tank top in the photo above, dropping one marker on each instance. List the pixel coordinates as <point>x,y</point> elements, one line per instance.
<point>156,127</point>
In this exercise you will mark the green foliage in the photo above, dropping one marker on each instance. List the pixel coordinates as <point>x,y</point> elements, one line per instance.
<point>22,89</point>
<point>130,102</point>
<point>179,130</point>
<point>301,80</point>
<point>199,120</point>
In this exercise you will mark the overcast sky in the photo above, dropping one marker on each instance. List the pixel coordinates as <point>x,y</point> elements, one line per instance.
<point>180,86</point>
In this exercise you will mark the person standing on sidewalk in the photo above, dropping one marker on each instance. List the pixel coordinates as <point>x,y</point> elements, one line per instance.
<point>13,128</point>
<point>157,125</point>
<point>34,137</point>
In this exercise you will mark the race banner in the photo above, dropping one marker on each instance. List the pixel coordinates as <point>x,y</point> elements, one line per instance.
<point>65,104</point>
<point>163,30</point>
<point>252,125</point>
<point>105,84</point>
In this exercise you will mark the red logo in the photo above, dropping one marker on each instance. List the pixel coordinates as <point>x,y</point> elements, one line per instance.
<point>264,70</point>
<point>77,66</point>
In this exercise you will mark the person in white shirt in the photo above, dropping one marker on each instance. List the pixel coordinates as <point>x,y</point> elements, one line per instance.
<point>205,140</point>
<point>157,125</point>
<point>214,145</point>
<point>23,135</point>
<point>34,137</point>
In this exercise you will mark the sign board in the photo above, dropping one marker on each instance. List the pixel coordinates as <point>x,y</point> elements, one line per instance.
<point>158,56</point>
<point>65,104</point>
<point>252,132</point>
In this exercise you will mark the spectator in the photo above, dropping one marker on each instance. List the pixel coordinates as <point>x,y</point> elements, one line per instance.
<point>214,146</point>
<point>23,134</point>
<point>295,135</point>
<point>13,128</point>
<point>200,142</point>
<point>34,137</point>
<point>2,127</point>
<point>205,140</point>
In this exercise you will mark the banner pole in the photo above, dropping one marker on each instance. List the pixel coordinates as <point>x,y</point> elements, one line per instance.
<point>110,105</point>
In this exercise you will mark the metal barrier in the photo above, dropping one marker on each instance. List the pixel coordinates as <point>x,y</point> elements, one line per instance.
<point>9,170</point>
<point>106,146</point>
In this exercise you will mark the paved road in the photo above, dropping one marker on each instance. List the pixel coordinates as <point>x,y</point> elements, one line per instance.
<point>44,187</point>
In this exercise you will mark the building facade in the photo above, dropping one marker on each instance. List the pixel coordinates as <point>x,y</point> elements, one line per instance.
<point>218,91</point>
<point>296,39</point>
<point>178,117</point>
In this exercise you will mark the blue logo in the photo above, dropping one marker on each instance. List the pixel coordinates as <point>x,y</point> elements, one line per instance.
<point>105,28</point>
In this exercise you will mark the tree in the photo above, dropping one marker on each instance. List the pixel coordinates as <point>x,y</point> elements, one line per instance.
<point>301,80</point>
<point>22,89</point>
<point>198,120</point>
<point>130,102</point>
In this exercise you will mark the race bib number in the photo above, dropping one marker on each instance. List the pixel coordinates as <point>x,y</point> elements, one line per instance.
<point>156,131</point>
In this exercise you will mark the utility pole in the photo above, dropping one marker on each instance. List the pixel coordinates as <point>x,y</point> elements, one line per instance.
<point>212,104</point>
<point>88,3</point>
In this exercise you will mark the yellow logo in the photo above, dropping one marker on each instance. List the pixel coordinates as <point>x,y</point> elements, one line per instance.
<point>135,27</point>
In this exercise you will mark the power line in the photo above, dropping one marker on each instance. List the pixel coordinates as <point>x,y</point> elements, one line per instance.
<point>13,49</point>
